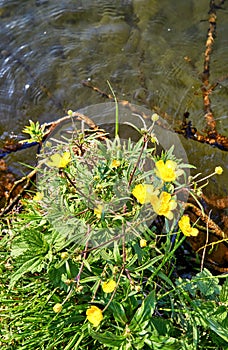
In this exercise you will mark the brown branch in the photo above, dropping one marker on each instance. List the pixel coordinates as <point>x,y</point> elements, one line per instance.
<point>220,141</point>
<point>75,115</point>
<point>24,182</point>
<point>217,231</point>
<point>219,203</point>
<point>206,91</point>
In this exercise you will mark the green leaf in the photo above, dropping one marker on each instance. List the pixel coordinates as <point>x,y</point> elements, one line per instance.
<point>132,261</point>
<point>108,338</point>
<point>144,312</point>
<point>224,292</point>
<point>218,329</point>
<point>57,275</point>
<point>31,265</point>
<point>165,278</point>
<point>118,312</point>
<point>207,283</point>
<point>28,244</point>
<point>161,325</point>
<point>165,343</point>
<point>19,247</point>
<point>116,252</point>
<point>148,264</point>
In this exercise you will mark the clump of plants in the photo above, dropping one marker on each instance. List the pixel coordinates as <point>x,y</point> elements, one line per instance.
<point>88,260</point>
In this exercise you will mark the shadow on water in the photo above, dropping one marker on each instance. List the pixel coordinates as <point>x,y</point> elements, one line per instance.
<point>142,47</point>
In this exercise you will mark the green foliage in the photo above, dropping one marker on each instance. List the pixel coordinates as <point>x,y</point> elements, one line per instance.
<point>35,131</point>
<point>85,228</point>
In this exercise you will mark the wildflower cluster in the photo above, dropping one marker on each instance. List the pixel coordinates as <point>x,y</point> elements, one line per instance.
<point>100,228</point>
<point>107,186</point>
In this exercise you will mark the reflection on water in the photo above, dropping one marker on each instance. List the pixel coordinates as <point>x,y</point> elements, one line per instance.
<point>48,47</point>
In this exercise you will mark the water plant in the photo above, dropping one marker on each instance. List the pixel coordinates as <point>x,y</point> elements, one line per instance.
<point>89,260</point>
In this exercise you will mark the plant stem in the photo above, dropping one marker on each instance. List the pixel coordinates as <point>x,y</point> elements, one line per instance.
<point>139,157</point>
<point>77,278</point>
<point>114,292</point>
<point>117,110</point>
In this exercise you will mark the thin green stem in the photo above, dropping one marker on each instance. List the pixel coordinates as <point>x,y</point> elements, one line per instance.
<point>116,110</point>
<point>138,160</point>
<point>114,292</point>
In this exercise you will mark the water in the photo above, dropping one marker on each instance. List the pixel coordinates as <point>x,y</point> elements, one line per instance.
<point>49,47</point>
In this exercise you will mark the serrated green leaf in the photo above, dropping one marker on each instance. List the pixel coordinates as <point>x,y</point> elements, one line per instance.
<point>19,247</point>
<point>31,265</point>
<point>207,283</point>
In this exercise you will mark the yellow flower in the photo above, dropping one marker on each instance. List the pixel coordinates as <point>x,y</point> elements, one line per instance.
<point>98,211</point>
<point>115,163</point>
<point>59,161</point>
<point>164,205</point>
<point>218,170</point>
<point>38,196</point>
<point>94,315</point>
<point>57,308</point>
<point>186,228</point>
<point>143,243</point>
<point>166,171</point>
<point>144,193</point>
<point>109,286</point>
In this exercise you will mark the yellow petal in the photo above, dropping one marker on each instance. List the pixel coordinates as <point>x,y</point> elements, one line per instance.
<point>58,161</point>
<point>168,215</point>
<point>38,196</point>
<point>164,205</point>
<point>143,193</point>
<point>94,315</point>
<point>194,231</point>
<point>187,230</point>
<point>115,163</point>
<point>166,171</point>
<point>98,211</point>
<point>109,286</point>
<point>143,243</point>
<point>172,205</point>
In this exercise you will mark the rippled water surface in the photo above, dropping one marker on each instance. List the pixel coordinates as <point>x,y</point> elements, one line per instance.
<point>48,47</point>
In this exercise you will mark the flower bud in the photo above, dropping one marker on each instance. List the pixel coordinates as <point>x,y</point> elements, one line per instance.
<point>64,255</point>
<point>143,243</point>
<point>218,170</point>
<point>57,308</point>
<point>155,117</point>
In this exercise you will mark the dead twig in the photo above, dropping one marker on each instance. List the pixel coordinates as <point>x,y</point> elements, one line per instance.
<point>205,76</point>
<point>26,180</point>
<point>220,142</point>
